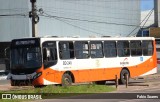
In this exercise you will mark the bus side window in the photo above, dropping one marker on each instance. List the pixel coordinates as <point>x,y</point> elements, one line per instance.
<point>110,49</point>
<point>135,47</point>
<point>147,47</point>
<point>66,50</point>
<point>123,48</point>
<point>81,49</point>
<point>49,54</point>
<point>96,49</point>
<point>44,54</point>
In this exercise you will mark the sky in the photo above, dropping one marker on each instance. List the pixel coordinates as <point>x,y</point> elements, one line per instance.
<point>146,5</point>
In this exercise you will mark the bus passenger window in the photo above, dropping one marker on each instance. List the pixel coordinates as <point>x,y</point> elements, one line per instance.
<point>123,48</point>
<point>96,49</point>
<point>81,49</point>
<point>147,47</point>
<point>110,49</point>
<point>66,50</point>
<point>135,47</point>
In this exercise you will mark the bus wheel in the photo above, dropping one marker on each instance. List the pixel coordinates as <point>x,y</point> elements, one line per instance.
<point>66,80</point>
<point>123,76</point>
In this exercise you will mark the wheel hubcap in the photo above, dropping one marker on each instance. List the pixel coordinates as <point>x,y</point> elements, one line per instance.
<point>66,81</point>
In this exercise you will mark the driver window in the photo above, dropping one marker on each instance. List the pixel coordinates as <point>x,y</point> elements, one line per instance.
<point>49,54</point>
<point>46,54</point>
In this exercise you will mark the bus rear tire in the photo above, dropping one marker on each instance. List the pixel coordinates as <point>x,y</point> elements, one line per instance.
<point>123,76</point>
<point>66,80</point>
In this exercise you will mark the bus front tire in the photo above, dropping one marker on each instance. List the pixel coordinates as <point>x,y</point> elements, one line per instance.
<point>123,76</point>
<point>66,80</point>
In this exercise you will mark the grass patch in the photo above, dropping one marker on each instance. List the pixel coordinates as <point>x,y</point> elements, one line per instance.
<point>59,91</point>
<point>90,88</point>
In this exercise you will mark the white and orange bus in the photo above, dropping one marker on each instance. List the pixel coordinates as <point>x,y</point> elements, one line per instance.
<point>60,60</point>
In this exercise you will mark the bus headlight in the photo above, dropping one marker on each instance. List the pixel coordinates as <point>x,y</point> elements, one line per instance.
<point>37,75</point>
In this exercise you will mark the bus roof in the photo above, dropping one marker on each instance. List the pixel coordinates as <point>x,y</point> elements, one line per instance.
<point>89,38</point>
<point>98,38</point>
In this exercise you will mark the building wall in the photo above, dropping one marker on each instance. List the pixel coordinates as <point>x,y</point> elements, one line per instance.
<point>14,26</point>
<point>72,18</point>
<point>154,32</point>
<point>93,17</point>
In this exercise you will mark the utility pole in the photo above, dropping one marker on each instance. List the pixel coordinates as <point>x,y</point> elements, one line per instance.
<point>35,18</point>
<point>156,13</point>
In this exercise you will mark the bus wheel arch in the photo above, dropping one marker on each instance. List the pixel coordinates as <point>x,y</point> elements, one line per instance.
<point>123,72</point>
<point>67,78</point>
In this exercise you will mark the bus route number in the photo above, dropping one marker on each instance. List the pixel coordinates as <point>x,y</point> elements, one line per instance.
<point>67,62</point>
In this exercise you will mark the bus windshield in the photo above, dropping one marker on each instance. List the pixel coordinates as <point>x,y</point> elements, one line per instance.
<point>26,57</point>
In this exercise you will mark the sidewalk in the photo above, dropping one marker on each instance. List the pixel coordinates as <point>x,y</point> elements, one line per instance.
<point>140,83</point>
<point>5,87</point>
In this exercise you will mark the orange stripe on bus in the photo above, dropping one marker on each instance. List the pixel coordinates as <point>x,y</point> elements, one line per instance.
<point>96,74</point>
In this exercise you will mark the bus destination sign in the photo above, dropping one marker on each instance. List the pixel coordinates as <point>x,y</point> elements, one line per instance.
<point>27,42</point>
